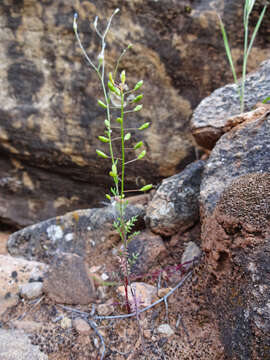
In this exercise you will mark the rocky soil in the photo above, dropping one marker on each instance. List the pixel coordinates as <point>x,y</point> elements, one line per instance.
<point>202,251</point>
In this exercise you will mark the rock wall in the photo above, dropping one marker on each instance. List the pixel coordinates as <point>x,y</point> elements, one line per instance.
<point>49,119</point>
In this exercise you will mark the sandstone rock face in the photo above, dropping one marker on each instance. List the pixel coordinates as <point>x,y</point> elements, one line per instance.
<point>241,151</point>
<point>236,239</point>
<point>175,206</point>
<point>210,119</point>
<point>49,118</point>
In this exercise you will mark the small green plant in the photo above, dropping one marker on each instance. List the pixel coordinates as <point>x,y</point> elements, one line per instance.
<point>249,4</point>
<point>118,101</point>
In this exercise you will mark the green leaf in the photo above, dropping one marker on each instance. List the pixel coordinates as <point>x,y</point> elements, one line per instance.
<point>119,120</point>
<point>266,100</point>
<point>146,187</point>
<point>144,126</point>
<point>108,197</point>
<point>127,136</point>
<point>138,98</point>
<point>101,103</point>
<point>138,85</point>
<point>138,108</point>
<point>101,154</point>
<point>138,145</point>
<point>103,139</point>
<point>141,155</point>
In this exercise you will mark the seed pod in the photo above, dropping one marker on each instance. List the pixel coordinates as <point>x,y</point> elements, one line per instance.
<point>101,103</point>
<point>111,78</point>
<point>103,139</point>
<point>138,108</point>
<point>141,155</point>
<point>107,123</point>
<point>119,120</point>
<point>138,85</point>
<point>113,88</point>
<point>123,77</point>
<point>144,126</point>
<point>127,136</point>
<point>138,145</point>
<point>101,154</point>
<point>146,187</point>
<point>138,98</point>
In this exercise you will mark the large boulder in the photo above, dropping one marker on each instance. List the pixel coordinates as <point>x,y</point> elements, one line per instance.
<point>175,205</point>
<point>88,233</point>
<point>218,112</point>
<point>236,240</point>
<point>49,118</point>
<point>243,150</point>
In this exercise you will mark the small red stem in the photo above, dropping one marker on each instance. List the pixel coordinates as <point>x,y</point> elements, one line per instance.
<point>126,294</point>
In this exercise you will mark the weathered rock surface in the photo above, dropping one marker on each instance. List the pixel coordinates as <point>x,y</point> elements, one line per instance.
<point>211,119</point>
<point>149,249</point>
<point>68,281</point>
<point>49,119</point>
<point>236,239</point>
<point>244,149</point>
<point>175,206</point>
<point>15,345</point>
<point>78,232</point>
<point>15,272</point>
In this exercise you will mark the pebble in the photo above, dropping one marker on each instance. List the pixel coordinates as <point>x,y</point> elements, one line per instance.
<point>81,326</point>
<point>165,329</point>
<point>31,290</point>
<point>66,323</point>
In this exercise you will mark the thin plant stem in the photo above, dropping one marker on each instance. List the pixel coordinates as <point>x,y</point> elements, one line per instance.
<point>249,4</point>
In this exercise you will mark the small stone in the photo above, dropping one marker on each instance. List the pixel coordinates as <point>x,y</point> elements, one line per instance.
<point>102,292</point>
<point>147,333</point>
<point>66,323</point>
<point>163,291</point>
<point>105,309</point>
<point>81,326</point>
<point>31,290</point>
<point>145,292</point>
<point>192,252</point>
<point>165,329</point>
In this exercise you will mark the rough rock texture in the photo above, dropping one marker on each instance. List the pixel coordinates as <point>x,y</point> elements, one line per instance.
<point>245,149</point>
<point>31,290</point>
<point>150,249</point>
<point>49,119</point>
<point>175,206</point>
<point>13,273</point>
<point>68,281</point>
<point>80,232</point>
<point>15,345</point>
<point>210,119</point>
<point>236,239</point>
